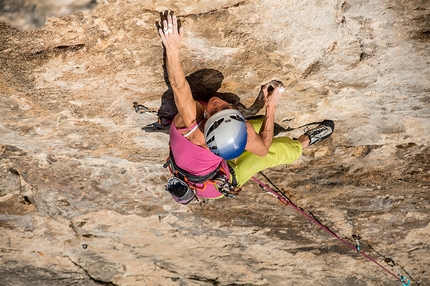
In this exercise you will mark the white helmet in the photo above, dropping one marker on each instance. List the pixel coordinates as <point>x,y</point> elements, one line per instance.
<point>225,133</point>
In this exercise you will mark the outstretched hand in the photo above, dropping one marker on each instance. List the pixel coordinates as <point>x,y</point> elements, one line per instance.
<point>170,32</point>
<point>272,92</point>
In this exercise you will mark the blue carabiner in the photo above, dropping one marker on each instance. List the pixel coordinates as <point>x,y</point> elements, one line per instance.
<point>404,278</point>
<point>357,242</point>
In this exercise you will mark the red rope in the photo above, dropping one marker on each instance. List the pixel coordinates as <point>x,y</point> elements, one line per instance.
<point>286,202</point>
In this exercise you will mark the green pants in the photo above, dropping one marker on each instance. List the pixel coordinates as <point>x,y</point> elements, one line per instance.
<point>283,150</point>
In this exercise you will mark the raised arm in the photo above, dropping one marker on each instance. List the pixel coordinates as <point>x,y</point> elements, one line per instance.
<point>171,35</point>
<point>260,143</point>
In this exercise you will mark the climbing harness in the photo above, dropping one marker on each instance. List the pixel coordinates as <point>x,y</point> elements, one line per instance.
<point>286,201</point>
<point>218,178</point>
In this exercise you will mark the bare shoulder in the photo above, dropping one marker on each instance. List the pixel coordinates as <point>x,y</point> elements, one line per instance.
<point>254,143</point>
<point>181,123</point>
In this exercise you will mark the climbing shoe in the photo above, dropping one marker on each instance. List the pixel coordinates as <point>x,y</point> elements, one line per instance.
<point>321,132</point>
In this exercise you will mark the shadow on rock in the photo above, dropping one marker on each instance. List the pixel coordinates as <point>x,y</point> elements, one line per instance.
<point>204,84</point>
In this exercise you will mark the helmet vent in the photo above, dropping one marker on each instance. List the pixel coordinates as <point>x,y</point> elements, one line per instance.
<point>210,140</point>
<point>214,126</point>
<point>237,117</point>
<point>218,122</point>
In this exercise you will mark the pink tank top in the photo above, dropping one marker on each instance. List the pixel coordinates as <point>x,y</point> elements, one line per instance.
<point>196,160</point>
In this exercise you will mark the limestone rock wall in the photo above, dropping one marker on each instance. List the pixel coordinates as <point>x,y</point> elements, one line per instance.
<point>82,197</point>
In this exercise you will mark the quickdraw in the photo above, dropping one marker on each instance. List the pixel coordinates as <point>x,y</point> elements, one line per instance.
<point>357,242</point>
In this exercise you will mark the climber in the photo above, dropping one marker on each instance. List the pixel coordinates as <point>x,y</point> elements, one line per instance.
<point>213,148</point>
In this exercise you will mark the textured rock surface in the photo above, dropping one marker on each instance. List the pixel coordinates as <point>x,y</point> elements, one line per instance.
<point>82,197</point>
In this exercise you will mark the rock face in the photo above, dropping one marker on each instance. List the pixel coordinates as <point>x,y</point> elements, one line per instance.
<point>28,14</point>
<point>82,197</point>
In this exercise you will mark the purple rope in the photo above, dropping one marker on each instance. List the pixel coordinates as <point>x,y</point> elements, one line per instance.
<point>288,202</point>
